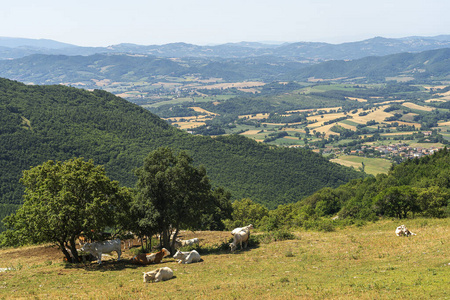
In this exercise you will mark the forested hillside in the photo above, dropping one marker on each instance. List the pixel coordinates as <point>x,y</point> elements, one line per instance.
<point>39,123</point>
<point>427,64</point>
<point>55,69</point>
<point>416,187</point>
<point>87,71</point>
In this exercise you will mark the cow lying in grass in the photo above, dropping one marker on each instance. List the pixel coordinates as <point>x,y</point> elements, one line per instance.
<point>182,243</point>
<point>157,275</point>
<point>150,258</point>
<point>403,231</point>
<point>187,257</point>
<point>97,248</point>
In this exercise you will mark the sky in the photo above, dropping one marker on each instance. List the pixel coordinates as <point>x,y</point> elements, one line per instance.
<point>209,22</point>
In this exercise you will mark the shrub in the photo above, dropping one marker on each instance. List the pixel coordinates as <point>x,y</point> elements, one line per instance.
<point>273,236</point>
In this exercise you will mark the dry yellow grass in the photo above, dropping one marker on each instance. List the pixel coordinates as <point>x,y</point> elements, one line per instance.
<point>326,117</point>
<point>190,125</point>
<point>388,102</point>
<point>434,87</point>
<point>251,132</point>
<point>417,107</point>
<point>378,115</point>
<point>445,123</point>
<point>293,129</point>
<point>255,116</point>
<point>436,100</point>
<point>104,82</point>
<point>347,126</point>
<point>204,111</point>
<point>417,125</point>
<point>312,109</point>
<point>325,129</point>
<point>357,99</point>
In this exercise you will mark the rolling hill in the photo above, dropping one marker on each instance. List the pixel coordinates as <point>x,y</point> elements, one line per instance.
<point>377,46</point>
<point>87,70</point>
<point>40,123</point>
<point>423,65</point>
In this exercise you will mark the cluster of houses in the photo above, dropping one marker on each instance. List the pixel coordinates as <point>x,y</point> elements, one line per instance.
<point>393,150</point>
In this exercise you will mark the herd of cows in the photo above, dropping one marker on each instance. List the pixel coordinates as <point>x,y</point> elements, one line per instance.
<point>240,235</point>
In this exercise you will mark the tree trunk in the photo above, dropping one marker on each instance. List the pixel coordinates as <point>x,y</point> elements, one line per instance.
<point>172,243</point>
<point>74,249</point>
<point>165,239</point>
<point>65,252</point>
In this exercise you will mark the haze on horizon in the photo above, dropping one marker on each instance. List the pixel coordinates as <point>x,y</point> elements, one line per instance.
<point>201,22</point>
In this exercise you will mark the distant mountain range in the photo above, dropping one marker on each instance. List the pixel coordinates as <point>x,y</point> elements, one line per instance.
<point>85,71</point>
<point>11,48</point>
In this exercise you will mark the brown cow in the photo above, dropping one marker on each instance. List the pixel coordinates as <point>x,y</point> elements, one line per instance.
<point>150,258</point>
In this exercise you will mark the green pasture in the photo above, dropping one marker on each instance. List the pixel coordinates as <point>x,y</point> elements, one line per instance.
<point>373,166</point>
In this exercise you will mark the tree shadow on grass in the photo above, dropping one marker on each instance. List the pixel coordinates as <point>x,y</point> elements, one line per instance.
<point>223,248</point>
<point>112,265</point>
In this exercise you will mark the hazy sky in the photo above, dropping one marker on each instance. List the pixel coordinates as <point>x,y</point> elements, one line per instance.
<point>147,22</point>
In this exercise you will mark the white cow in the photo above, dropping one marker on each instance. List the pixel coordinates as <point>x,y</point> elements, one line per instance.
<point>239,238</point>
<point>159,274</point>
<point>97,248</point>
<point>403,231</point>
<point>187,257</point>
<point>187,242</point>
<point>245,228</point>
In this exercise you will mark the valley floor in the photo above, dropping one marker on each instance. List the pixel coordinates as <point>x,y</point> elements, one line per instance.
<point>368,262</point>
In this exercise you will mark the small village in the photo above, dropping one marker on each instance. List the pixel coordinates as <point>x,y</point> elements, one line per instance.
<point>397,152</point>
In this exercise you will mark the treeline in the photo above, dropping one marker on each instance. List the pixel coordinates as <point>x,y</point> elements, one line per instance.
<point>39,123</point>
<point>417,187</point>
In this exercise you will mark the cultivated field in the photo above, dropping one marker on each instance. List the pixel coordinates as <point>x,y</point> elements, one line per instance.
<point>373,166</point>
<point>368,262</point>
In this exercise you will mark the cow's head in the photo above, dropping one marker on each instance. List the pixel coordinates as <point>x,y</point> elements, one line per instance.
<point>86,247</point>
<point>165,252</point>
<point>233,247</point>
<point>149,276</point>
<point>178,255</point>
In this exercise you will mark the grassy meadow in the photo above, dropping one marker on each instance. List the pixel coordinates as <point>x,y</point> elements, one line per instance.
<point>373,166</point>
<point>365,262</point>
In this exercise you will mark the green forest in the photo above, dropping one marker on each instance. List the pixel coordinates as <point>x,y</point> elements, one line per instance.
<point>41,123</point>
<point>415,188</point>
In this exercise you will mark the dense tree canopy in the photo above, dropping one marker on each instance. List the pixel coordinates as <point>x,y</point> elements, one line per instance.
<point>172,194</point>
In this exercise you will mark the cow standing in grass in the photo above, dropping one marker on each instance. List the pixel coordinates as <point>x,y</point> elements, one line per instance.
<point>97,248</point>
<point>239,238</point>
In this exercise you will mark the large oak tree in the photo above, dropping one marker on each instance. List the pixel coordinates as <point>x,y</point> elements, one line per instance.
<point>64,199</point>
<point>172,194</point>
